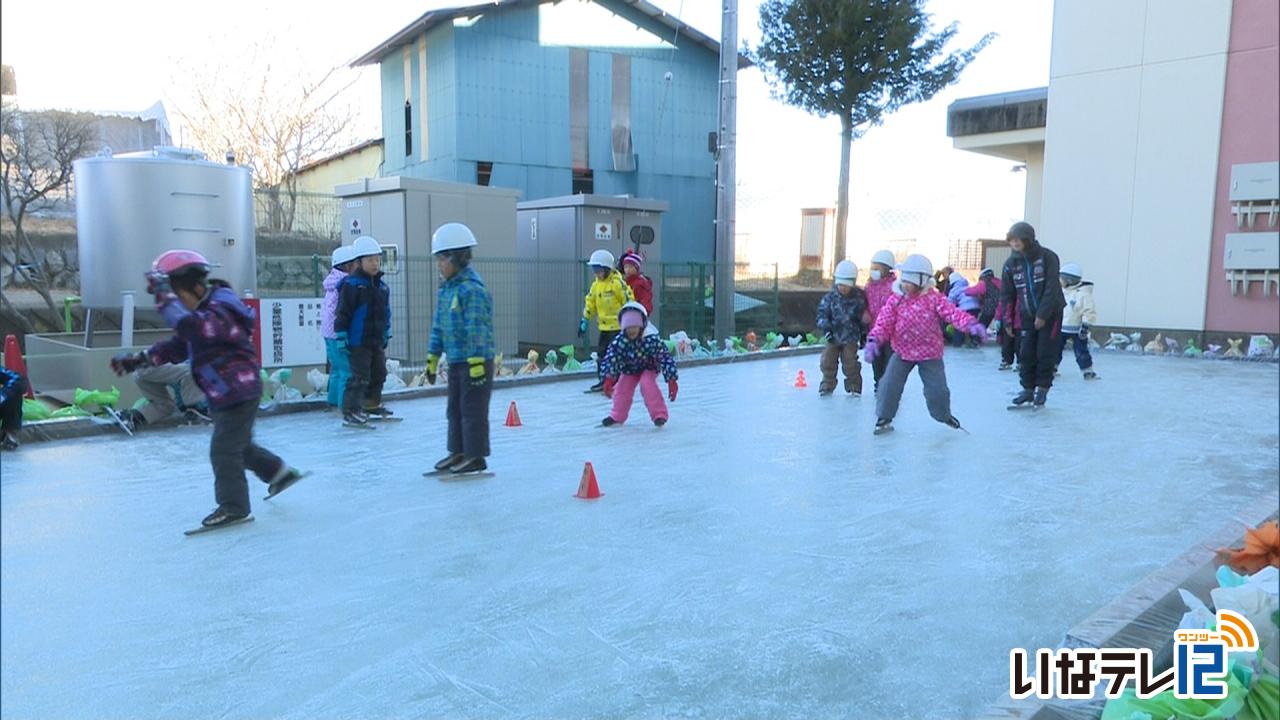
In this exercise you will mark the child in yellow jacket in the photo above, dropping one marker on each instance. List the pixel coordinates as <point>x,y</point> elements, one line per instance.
<point>608,293</point>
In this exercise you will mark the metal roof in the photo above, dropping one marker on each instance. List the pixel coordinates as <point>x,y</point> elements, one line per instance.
<point>432,18</point>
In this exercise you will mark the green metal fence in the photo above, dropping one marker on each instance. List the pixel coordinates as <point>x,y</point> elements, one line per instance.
<point>537,303</point>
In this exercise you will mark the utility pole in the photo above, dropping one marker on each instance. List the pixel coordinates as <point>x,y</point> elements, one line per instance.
<point>726,160</point>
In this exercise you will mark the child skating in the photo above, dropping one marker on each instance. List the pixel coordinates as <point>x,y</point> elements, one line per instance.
<point>640,284</point>
<point>463,330</point>
<point>912,322</point>
<point>879,290</point>
<point>214,330</point>
<point>362,328</point>
<point>609,292</point>
<point>843,319</point>
<point>339,360</point>
<point>1078,314</point>
<point>635,358</point>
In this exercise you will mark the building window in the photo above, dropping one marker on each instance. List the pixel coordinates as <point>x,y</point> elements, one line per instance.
<point>484,171</point>
<point>408,128</point>
<point>584,182</point>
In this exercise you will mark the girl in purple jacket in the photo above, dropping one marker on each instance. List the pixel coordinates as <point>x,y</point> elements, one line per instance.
<point>214,330</point>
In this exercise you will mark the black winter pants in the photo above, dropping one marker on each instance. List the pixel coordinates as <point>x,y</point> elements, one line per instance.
<point>469,411</point>
<point>11,412</point>
<point>368,373</point>
<point>606,339</point>
<point>232,450</point>
<point>1038,353</point>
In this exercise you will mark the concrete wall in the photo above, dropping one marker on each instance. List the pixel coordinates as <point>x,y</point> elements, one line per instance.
<point>1250,118</point>
<point>1131,152</point>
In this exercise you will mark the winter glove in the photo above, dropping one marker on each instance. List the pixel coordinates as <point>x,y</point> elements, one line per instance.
<point>433,366</point>
<point>386,338</point>
<point>872,350</point>
<point>125,363</point>
<point>673,388</point>
<point>343,344</point>
<point>979,332</point>
<point>608,387</point>
<point>582,327</point>
<point>1084,333</point>
<point>476,371</point>
<point>830,338</point>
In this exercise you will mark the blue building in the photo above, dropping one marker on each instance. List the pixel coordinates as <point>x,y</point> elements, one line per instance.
<point>609,97</point>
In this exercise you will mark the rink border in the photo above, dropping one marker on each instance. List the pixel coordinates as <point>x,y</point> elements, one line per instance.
<point>74,428</point>
<point>1145,615</point>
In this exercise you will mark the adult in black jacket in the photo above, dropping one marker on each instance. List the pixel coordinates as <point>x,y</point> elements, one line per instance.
<point>1031,278</point>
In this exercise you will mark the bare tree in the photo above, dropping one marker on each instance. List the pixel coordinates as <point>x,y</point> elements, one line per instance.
<point>36,153</point>
<point>275,122</point>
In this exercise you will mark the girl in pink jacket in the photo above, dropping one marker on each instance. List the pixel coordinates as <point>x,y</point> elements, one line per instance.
<point>913,322</point>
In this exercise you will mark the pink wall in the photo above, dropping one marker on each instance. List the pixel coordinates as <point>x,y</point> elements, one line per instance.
<point>1250,118</point>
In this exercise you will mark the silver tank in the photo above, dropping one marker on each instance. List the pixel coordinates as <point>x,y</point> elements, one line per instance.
<point>132,207</point>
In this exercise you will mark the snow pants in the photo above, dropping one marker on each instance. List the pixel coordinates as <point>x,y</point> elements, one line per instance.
<point>339,371</point>
<point>1038,353</point>
<point>232,450</point>
<point>468,410</point>
<point>1080,347</point>
<point>624,392</point>
<point>11,411</point>
<point>937,396</point>
<point>835,355</point>
<point>606,339</point>
<point>368,373</point>
<point>156,384</point>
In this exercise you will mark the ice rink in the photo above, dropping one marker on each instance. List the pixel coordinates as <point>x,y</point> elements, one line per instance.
<point>762,556</point>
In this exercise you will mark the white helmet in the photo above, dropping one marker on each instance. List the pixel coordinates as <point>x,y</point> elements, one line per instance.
<point>365,246</point>
<point>342,255</point>
<point>634,305</point>
<point>601,258</point>
<point>452,236</point>
<point>846,273</point>
<point>1071,269</point>
<point>884,257</point>
<point>916,269</point>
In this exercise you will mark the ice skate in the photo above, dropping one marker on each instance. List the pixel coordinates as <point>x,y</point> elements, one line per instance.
<point>1041,395</point>
<point>883,426</point>
<point>1005,366</point>
<point>291,476</point>
<point>608,422</point>
<point>659,421</point>
<point>954,423</point>
<point>356,420</point>
<point>1021,400</point>
<point>1090,375</point>
<point>8,441</point>
<point>219,519</point>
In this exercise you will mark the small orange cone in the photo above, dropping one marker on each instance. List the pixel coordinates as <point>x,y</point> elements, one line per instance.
<point>587,487</point>
<point>513,416</point>
<point>800,381</point>
<point>13,361</point>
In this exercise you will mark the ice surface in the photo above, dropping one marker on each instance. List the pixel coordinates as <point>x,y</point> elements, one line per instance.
<point>761,556</point>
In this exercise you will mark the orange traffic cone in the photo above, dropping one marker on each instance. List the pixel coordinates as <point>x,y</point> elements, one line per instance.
<point>800,381</point>
<point>587,487</point>
<point>513,416</point>
<point>13,361</point>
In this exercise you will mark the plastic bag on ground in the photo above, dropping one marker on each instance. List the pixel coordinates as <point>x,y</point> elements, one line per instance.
<point>94,400</point>
<point>393,381</point>
<point>34,410</point>
<point>318,380</point>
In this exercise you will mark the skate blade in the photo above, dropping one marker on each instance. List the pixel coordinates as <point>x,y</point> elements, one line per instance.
<point>386,419</point>
<point>882,431</point>
<point>286,487</point>
<point>119,420</point>
<point>456,477</point>
<point>202,529</point>
<point>357,426</point>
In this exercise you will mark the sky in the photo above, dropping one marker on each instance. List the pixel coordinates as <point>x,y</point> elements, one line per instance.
<point>906,179</point>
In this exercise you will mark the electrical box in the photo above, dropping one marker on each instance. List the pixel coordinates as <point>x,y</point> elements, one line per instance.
<point>402,213</point>
<point>1252,251</point>
<point>1255,181</point>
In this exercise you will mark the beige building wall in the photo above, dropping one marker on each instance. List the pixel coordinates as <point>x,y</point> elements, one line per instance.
<point>324,176</point>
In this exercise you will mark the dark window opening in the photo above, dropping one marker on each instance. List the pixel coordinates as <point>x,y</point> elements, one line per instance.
<point>408,128</point>
<point>584,182</point>
<point>484,171</point>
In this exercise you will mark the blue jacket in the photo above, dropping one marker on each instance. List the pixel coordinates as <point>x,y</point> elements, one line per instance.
<point>841,315</point>
<point>463,324</point>
<point>364,310</point>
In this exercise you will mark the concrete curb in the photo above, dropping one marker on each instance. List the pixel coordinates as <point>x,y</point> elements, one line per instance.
<point>53,430</point>
<point>1143,616</point>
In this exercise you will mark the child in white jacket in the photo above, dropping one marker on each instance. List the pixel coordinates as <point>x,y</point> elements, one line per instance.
<point>1077,316</point>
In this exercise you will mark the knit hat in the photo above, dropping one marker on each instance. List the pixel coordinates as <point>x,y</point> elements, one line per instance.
<point>631,318</point>
<point>632,257</point>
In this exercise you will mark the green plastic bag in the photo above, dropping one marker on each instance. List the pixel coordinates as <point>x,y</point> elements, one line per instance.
<point>70,411</point>
<point>266,398</point>
<point>1165,705</point>
<point>33,410</point>
<point>571,363</point>
<point>1263,701</point>
<point>94,400</point>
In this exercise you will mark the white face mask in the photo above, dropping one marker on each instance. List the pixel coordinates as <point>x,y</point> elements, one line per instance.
<point>875,275</point>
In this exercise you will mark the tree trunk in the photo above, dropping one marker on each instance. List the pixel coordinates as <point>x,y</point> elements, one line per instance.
<point>842,194</point>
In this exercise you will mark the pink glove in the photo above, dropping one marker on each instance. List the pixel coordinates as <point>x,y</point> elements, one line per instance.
<point>872,351</point>
<point>978,331</point>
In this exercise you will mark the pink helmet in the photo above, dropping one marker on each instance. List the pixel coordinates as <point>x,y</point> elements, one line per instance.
<point>172,262</point>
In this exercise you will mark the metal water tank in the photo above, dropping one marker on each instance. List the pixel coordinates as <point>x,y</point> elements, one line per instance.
<point>132,207</point>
